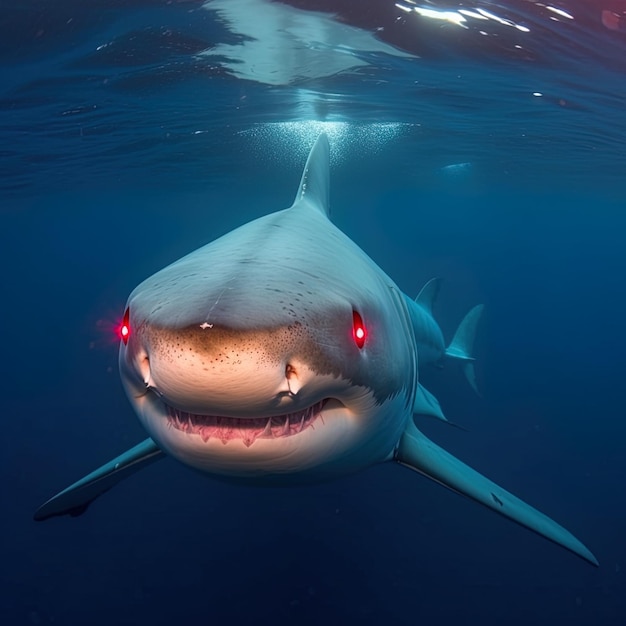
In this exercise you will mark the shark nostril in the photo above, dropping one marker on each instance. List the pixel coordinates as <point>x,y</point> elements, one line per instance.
<point>293,382</point>
<point>144,368</point>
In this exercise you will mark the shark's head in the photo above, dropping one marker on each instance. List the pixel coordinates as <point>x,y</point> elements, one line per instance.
<point>278,350</point>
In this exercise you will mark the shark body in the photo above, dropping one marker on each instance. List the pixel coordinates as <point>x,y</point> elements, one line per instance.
<point>282,354</point>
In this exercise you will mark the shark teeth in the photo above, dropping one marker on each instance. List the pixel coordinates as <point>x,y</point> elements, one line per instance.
<point>247,430</point>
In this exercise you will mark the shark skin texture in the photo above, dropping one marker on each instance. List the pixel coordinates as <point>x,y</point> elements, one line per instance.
<point>281,354</point>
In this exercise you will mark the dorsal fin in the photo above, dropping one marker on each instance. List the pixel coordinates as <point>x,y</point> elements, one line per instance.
<point>427,296</point>
<point>314,186</point>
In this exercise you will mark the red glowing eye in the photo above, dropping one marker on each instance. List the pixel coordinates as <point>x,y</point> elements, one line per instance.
<point>359,332</point>
<point>124,329</point>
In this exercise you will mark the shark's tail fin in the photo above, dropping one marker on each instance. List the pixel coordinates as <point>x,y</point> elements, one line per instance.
<point>462,344</point>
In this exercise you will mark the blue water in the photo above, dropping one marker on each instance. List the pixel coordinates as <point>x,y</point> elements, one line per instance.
<point>134,132</point>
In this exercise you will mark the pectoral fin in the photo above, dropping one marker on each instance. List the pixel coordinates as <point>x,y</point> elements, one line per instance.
<point>419,453</point>
<point>75,499</point>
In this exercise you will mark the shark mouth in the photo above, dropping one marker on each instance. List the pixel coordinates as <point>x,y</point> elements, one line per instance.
<point>246,429</point>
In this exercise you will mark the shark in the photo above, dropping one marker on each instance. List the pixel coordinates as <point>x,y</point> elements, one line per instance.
<point>282,354</point>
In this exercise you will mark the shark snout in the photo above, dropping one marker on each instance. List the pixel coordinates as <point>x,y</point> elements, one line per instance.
<point>239,377</point>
